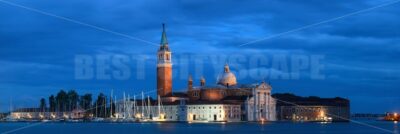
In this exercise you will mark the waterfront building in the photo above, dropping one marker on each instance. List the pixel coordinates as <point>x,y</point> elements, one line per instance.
<point>38,114</point>
<point>296,108</point>
<point>214,112</point>
<point>181,111</point>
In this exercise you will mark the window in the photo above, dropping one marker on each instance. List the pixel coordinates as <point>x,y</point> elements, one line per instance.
<point>196,94</point>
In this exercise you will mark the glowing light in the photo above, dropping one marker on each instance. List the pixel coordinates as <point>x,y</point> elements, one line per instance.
<point>162,116</point>
<point>262,120</point>
<point>53,116</point>
<point>322,114</point>
<point>65,116</point>
<point>138,115</point>
<point>190,116</point>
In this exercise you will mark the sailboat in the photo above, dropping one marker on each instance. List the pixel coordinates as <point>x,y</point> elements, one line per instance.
<point>10,118</point>
<point>161,114</point>
<point>96,118</point>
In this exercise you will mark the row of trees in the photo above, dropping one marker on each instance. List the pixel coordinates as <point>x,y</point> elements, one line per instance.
<point>68,101</point>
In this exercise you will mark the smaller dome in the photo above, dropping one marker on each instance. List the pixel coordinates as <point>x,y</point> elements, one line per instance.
<point>227,78</point>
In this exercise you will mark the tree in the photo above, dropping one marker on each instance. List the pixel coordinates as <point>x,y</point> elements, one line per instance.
<point>52,103</point>
<point>100,105</point>
<point>61,100</point>
<point>73,99</point>
<point>85,101</point>
<point>42,105</point>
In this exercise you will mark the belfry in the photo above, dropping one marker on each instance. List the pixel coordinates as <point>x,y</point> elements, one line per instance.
<point>164,67</point>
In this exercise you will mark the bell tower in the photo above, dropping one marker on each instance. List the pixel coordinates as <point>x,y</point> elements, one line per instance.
<point>164,67</point>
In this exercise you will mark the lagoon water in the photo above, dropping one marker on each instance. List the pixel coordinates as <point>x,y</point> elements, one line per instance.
<point>187,128</point>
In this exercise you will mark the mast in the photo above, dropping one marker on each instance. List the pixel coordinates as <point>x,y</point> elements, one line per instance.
<point>142,109</point>
<point>116,106</point>
<point>96,108</point>
<point>111,102</point>
<point>148,106</point>
<point>11,105</point>
<point>129,106</point>
<point>124,105</point>
<point>134,105</point>
<point>105,107</point>
<point>159,108</point>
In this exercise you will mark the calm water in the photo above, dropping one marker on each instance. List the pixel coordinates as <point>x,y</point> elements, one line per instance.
<point>185,128</point>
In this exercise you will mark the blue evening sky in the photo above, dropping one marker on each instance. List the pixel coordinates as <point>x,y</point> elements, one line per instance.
<point>360,51</point>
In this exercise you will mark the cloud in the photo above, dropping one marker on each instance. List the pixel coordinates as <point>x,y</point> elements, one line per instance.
<point>38,51</point>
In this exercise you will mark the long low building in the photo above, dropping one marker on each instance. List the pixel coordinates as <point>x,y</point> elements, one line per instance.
<point>39,114</point>
<point>296,108</point>
<point>180,111</point>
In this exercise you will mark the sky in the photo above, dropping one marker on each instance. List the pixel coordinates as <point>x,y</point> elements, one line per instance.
<point>41,40</point>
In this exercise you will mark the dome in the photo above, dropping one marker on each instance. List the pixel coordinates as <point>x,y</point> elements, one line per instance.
<point>227,78</point>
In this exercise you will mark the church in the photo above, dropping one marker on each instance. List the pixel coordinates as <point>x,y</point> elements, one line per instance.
<point>227,100</point>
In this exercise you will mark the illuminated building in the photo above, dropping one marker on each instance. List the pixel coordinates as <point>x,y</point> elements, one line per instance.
<point>296,108</point>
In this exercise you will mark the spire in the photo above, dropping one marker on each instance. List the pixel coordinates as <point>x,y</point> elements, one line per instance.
<point>202,81</point>
<point>226,68</point>
<point>164,40</point>
<point>190,78</point>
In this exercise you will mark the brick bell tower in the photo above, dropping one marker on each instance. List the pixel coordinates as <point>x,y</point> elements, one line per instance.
<point>164,67</point>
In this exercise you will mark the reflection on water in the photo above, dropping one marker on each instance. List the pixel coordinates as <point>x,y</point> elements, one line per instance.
<point>166,127</point>
<point>201,128</point>
<point>396,127</point>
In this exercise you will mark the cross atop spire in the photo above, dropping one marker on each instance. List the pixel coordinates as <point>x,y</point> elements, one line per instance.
<point>164,40</point>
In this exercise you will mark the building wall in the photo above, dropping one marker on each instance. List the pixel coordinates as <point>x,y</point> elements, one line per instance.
<point>214,112</point>
<point>217,94</point>
<point>191,113</point>
<point>213,94</point>
<point>314,113</point>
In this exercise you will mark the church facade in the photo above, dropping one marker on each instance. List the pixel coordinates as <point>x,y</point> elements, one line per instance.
<point>227,100</point>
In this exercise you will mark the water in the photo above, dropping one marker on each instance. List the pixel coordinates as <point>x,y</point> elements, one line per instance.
<point>186,128</point>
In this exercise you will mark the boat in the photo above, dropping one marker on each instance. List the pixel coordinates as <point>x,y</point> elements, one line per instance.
<point>9,118</point>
